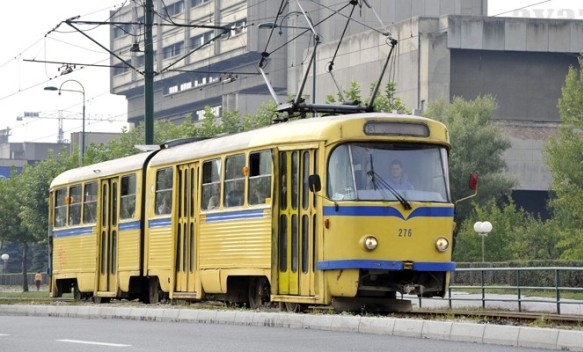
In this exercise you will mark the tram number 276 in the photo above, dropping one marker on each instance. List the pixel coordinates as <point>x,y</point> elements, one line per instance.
<point>405,232</point>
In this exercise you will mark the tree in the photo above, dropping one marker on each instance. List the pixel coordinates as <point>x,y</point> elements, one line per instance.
<point>516,235</point>
<point>477,145</point>
<point>11,228</point>
<point>565,161</point>
<point>507,221</point>
<point>389,101</point>
<point>24,198</point>
<point>386,102</point>
<point>264,116</point>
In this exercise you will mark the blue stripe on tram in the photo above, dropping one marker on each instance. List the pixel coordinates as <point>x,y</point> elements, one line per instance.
<point>78,231</point>
<point>235,215</point>
<point>163,222</point>
<point>382,265</point>
<point>132,225</point>
<point>386,211</point>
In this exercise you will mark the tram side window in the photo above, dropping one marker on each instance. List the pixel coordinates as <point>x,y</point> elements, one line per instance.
<point>163,191</point>
<point>340,183</point>
<point>211,184</point>
<point>260,177</point>
<point>90,203</point>
<point>234,181</point>
<point>60,207</point>
<point>128,197</point>
<point>75,205</point>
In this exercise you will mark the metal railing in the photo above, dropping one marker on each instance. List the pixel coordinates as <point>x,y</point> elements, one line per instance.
<point>16,279</point>
<point>523,281</point>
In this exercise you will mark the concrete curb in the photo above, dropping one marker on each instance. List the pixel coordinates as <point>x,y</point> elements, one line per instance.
<point>520,336</point>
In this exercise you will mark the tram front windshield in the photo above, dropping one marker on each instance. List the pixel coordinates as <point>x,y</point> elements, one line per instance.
<point>387,171</point>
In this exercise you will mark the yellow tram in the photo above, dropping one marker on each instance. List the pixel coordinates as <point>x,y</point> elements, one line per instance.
<point>307,212</point>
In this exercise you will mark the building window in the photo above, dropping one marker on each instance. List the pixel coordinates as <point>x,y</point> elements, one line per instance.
<point>238,27</point>
<point>194,3</point>
<point>141,60</point>
<point>186,85</point>
<point>200,40</point>
<point>120,68</point>
<point>173,50</point>
<point>173,9</point>
<point>216,110</point>
<point>120,30</point>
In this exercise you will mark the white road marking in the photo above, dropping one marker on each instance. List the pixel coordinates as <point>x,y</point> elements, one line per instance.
<point>94,343</point>
<point>3,334</point>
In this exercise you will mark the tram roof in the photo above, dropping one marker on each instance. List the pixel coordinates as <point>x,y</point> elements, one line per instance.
<point>103,169</point>
<point>298,131</point>
<point>307,130</point>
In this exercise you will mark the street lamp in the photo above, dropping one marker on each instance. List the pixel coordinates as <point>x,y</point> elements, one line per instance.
<point>4,258</point>
<point>483,229</point>
<point>82,91</point>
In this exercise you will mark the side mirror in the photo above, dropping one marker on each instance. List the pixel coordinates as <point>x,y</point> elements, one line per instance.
<point>473,181</point>
<point>473,185</point>
<point>314,183</point>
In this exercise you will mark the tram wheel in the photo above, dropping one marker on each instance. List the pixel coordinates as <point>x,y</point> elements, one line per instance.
<point>77,295</point>
<point>295,307</point>
<point>259,292</point>
<point>153,291</point>
<point>100,300</point>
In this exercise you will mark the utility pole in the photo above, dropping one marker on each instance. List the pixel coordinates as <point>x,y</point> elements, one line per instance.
<point>148,57</point>
<point>149,73</point>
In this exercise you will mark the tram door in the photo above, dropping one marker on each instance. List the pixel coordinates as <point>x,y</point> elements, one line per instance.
<point>296,223</point>
<point>186,261</point>
<point>107,278</point>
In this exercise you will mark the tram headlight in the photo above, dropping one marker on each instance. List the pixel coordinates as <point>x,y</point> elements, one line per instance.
<point>442,244</point>
<point>370,243</point>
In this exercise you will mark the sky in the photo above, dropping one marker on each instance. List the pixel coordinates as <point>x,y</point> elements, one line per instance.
<point>28,35</point>
<point>24,37</point>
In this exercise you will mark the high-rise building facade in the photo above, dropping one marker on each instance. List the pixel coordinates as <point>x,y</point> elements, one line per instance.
<point>446,48</point>
<point>205,54</point>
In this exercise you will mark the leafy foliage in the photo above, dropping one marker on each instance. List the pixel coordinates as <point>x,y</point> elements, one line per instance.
<point>565,161</point>
<point>515,235</point>
<point>34,192</point>
<point>24,198</point>
<point>477,145</point>
<point>386,102</point>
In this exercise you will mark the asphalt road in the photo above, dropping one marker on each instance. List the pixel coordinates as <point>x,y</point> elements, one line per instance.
<point>48,334</point>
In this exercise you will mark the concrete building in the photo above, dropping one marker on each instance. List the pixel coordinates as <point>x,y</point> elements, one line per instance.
<point>97,138</point>
<point>196,66</point>
<point>447,48</point>
<point>19,154</point>
<point>521,62</point>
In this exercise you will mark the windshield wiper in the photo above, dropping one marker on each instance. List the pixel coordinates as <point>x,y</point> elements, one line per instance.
<point>377,178</point>
<point>371,173</point>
